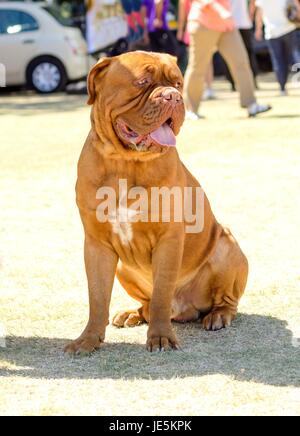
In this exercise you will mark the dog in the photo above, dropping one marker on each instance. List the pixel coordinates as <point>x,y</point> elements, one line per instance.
<point>137,112</point>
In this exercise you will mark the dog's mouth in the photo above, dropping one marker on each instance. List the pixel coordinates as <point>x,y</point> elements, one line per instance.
<point>163,136</point>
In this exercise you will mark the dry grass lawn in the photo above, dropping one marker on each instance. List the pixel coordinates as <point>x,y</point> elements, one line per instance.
<point>251,171</point>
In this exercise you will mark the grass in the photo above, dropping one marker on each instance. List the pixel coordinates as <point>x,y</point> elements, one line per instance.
<point>250,171</point>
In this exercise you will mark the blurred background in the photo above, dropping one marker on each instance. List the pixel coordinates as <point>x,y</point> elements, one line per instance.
<point>50,46</point>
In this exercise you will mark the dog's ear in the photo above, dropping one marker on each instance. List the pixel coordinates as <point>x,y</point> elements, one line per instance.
<point>99,69</point>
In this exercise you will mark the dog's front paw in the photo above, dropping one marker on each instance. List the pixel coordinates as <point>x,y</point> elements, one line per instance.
<point>86,344</point>
<point>162,340</point>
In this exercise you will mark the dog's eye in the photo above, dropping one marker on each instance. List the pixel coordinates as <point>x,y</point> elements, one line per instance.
<point>143,82</point>
<point>178,85</point>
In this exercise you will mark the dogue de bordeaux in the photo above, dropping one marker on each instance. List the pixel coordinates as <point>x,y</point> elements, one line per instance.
<point>137,112</point>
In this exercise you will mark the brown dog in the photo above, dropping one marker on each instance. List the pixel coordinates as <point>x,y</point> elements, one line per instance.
<point>137,112</point>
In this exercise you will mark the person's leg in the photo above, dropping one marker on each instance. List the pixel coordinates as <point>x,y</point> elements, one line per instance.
<point>295,47</point>
<point>291,52</point>
<point>136,13</point>
<point>209,93</point>
<point>229,77</point>
<point>202,45</point>
<point>233,50</point>
<point>183,56</point>
<point>280,64</point>
<point>288,51</point>
<point>247,36</point>
<point>210,76</point>
<point>137,6</point>
<point>128,9</point>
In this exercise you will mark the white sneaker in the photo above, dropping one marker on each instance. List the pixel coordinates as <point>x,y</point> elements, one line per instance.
<point>209,94</point>
<point>256,109</point>
<point>192,116</point>
<point>284,93</point>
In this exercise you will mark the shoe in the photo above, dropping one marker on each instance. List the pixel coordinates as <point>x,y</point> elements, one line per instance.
<point>256,109</point>
<point>193,116</point>
<point>209,94</point>
<point>284,93</point>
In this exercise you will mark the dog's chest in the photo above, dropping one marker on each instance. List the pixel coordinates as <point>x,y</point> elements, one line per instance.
<point>122,225</point>
<point>132,240</point>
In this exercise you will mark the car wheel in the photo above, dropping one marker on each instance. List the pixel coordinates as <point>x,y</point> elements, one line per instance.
<point>46,75</point>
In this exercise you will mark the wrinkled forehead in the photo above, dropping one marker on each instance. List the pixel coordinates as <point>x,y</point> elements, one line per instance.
<point>134,66</point>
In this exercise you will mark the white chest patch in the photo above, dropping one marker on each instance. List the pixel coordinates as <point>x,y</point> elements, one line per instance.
<point>122,224</point>
<point>124,231</point>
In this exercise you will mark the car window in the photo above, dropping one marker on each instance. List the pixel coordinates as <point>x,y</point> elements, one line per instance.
<point>13,21</point>
<point>55,13</point>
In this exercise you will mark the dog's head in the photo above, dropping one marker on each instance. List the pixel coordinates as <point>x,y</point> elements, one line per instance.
<point>137,103</point>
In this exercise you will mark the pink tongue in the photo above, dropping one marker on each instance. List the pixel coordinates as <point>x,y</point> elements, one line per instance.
<point>164,135</point>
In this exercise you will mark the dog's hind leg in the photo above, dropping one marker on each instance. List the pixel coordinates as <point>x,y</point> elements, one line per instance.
<point>132,317</point>
<point>129,318</point>
<point>229,268</point>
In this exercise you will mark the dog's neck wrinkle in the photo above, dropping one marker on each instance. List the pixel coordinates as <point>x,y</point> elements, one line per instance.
<point>168,168</point>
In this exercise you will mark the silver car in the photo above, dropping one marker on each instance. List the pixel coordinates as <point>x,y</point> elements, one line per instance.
<point>39,48</point>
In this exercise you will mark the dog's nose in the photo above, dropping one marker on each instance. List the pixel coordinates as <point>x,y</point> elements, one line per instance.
<point>172,95</point>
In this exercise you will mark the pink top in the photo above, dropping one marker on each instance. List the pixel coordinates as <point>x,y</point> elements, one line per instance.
<point>187,5</point>
<point>207,13</point>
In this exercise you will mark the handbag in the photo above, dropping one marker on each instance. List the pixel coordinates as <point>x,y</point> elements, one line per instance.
<point>164,41</point>
<point>292,12</point>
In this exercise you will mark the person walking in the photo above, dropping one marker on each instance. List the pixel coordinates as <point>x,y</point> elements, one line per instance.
<point>241,12</point>
<point>210,26</point>
<point>132,9</point>
<point>157,33</point>
<point>182,35</point>
<point>281,36</point>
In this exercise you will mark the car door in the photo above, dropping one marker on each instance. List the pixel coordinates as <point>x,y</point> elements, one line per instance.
<point>18,40</point>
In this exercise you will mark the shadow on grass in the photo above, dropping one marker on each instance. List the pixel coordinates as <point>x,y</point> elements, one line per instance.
<point>32,104</point>
<point>270,116</point>
<point>283,116</point>
<point>255,349</point>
